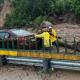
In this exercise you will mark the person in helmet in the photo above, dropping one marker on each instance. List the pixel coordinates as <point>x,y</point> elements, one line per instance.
<point>45,36</point>
<point>51,31</point>
<point>53,34</point>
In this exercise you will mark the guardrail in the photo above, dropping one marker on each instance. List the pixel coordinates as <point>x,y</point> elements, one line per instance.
<point>58,64</point>
<point>31,44</point>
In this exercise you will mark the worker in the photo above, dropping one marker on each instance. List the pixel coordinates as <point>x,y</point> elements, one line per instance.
<point>53,35</point>
<point>47,46</point>
<point>51,31</point>
<point>46,37</point>
<point>39,40</point>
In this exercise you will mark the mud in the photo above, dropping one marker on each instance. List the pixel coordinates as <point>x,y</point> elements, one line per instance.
<point>12,72</point>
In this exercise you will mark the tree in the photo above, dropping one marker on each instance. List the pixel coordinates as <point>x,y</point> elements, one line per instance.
<point>26,11</point>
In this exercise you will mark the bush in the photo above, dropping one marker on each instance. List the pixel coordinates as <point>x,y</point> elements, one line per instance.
<point>34,11</point>
<point>38,20</point>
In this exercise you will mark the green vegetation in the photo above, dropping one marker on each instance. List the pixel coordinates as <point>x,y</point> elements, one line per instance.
<point>35,11</point>
<point>1,1</point>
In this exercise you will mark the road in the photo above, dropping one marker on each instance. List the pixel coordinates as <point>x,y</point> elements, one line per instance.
<point>12,72</point>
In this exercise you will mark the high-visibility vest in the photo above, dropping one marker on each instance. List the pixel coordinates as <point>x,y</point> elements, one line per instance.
<point>53,37</point>
<point>46,38</point>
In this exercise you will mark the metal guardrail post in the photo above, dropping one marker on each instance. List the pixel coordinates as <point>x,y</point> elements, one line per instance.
<point>18,43</point>
<point>30,44</point>
<point>24,46</point>
<point>57,46</point>
<point>3,43</point>
<point>12,43</point>
<point>3,60</point>
<point>65,41</point>
<point>36,45</point>
<point>75,44</point>
<point>46,65</point>
<point>7,43</point>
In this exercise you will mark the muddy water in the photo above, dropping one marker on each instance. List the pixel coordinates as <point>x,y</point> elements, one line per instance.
<point>11,72</point>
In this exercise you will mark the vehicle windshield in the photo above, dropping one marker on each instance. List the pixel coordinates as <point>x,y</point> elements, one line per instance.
<point>21,32</point>
<point>4,35</point>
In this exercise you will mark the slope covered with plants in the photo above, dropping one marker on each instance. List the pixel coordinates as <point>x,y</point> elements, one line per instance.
<point>35,11</point>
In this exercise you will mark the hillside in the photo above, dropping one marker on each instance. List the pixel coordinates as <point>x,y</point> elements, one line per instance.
<point>5,9</point>
<point>33,12</point>
<point>22,12</point>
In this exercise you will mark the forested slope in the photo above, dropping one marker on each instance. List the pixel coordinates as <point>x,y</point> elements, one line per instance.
<point>35,11</point>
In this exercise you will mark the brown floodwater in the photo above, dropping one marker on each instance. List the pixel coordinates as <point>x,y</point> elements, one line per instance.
<point>12,72</point>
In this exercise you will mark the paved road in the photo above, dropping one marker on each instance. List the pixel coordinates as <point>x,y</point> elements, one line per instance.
<point>10,72</point>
